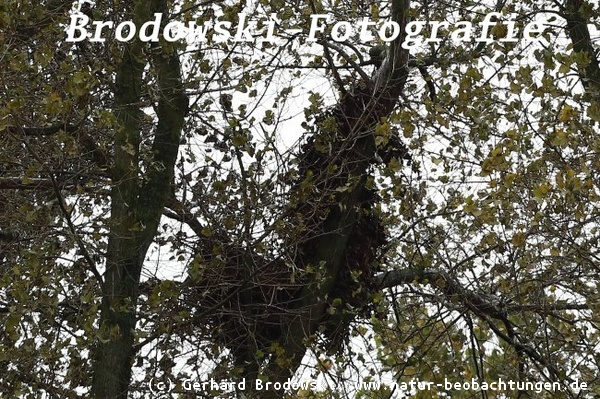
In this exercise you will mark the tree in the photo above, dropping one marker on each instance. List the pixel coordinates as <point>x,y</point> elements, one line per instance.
<point>440,204</point>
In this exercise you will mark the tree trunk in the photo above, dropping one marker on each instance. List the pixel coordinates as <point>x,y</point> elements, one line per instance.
<point>577,28</point>
<point>136,202</point>
<point>356,116</point>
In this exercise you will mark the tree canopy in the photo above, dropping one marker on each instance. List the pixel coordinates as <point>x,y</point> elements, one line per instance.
<point>361,195</point>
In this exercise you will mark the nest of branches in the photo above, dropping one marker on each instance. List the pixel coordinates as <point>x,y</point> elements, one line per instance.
<point>248,300</point>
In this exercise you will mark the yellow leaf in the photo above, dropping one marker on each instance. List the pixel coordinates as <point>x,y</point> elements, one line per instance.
<point>541,191</point>
<point>518,240</point>
<point>566,113</point>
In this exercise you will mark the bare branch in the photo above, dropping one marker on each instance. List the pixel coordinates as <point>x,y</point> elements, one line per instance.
<point>479,301</point>
<point>41,130</point>
<point>23,183</point>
